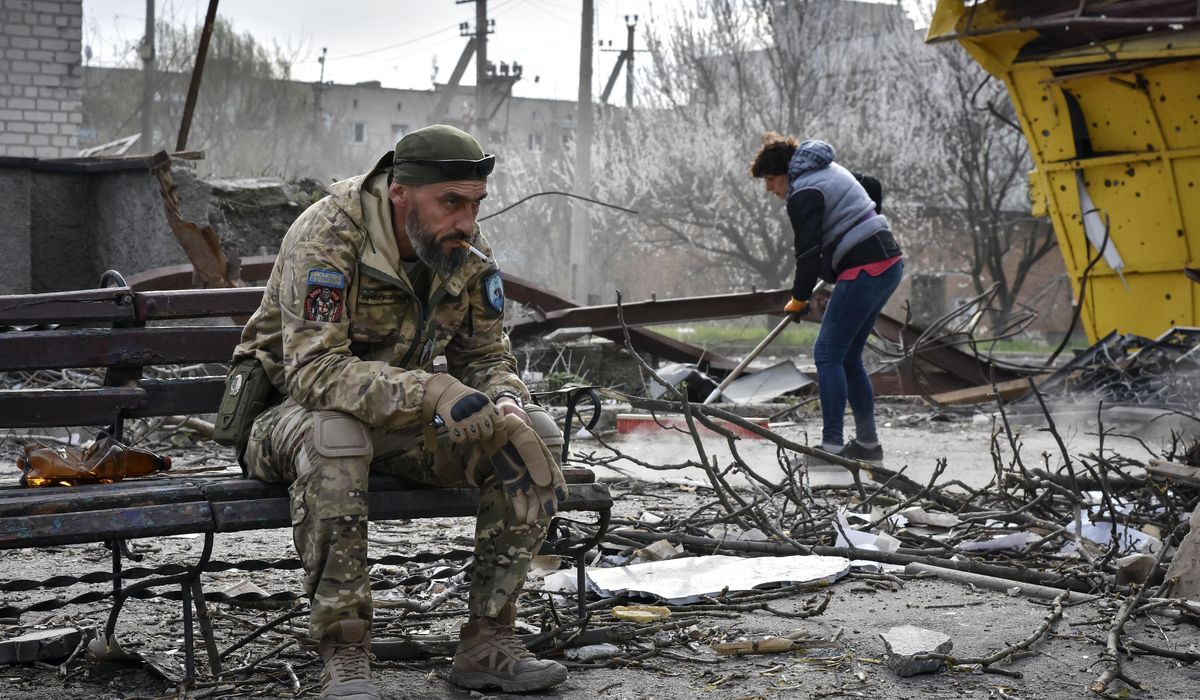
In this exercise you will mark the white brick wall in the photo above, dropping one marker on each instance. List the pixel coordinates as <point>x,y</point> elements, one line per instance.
<point>40,76</point>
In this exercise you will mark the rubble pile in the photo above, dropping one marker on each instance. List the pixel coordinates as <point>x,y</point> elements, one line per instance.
<point>1127,371</point>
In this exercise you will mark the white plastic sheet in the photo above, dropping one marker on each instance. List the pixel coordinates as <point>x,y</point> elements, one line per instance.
<point>682,581</point>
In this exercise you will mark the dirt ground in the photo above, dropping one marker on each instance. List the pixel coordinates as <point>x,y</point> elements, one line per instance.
<point>978,621</point>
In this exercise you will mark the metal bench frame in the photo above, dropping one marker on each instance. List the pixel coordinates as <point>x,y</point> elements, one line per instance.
<point>55,336</point>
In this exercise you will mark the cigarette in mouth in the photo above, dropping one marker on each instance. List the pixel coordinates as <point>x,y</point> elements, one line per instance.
<point>475,250</point>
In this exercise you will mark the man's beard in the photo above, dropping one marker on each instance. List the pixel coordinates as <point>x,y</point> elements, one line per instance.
<point>428,250</point>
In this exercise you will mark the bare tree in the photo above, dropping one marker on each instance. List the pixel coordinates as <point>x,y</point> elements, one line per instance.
<point>971,175</point>
<point>250,119</point>
<point>717,78</point>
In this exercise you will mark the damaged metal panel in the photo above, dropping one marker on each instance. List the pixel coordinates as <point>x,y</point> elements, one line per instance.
<point>1105,91</point>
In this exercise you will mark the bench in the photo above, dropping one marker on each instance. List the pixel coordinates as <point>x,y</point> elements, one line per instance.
<point>128,334</point>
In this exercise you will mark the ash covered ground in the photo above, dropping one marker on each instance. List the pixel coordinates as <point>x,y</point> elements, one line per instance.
<point>837,653</point>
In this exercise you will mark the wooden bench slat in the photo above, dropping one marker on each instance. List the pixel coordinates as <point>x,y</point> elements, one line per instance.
<point>108,305</point>
<point>124,347</point>
<point>20,501</point>
<point>264,513</point>
<point>197,303</point>
<point>38,408</point>
<point>102,525</point>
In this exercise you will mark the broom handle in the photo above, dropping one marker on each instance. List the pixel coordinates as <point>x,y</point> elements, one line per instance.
<point>737,371</point>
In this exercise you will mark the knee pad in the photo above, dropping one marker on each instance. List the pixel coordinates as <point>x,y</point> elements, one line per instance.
<point>547,429</point>
<point>334,466</point>
<point>337,434</point>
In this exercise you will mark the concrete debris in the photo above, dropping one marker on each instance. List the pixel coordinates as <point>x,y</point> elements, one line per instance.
<point>593,652</point>
<point>1185,567</point>
<point>919,516</point>
<point>659,551</point>
<point>1134,568</point>
<point>901,644</point>
<point>43,645</point>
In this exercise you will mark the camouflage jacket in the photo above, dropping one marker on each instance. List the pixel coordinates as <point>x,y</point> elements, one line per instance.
<point>340,327</point>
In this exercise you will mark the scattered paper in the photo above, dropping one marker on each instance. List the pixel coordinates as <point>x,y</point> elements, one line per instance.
<point>849,537</point>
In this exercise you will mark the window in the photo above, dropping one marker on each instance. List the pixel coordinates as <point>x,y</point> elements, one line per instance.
<point>356,103</point>
<point>399,106</point>
<point>398,131</point>
<point>535,142</point>
<point>360,132</point>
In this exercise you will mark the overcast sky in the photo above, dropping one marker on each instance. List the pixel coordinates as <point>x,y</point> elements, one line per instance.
<point>396,42</point>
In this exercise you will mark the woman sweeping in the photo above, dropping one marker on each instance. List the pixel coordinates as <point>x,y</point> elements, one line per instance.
<point>841,238</point>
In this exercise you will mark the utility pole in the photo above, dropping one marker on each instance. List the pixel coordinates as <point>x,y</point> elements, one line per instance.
<point>147,52</point>
<point>631,26</point>
<point>625,60</point>
<point>321,60</point>
<point>482,28</point>
<point>481,71</point>
<point>580,228</point>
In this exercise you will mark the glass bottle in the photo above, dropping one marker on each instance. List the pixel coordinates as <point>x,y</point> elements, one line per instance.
<point>106,461</point>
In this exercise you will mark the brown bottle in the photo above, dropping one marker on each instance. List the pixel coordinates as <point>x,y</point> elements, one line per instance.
<point>105,462</point>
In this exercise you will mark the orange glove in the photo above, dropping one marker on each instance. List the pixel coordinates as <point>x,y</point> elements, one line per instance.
<point>796,307</point>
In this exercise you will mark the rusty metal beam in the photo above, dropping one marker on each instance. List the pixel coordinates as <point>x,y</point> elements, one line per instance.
<point>648,313</point>
<point>556,311</point>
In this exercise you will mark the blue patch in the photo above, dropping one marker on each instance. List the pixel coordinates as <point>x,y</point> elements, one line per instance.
<point>493,292</point>
<point>326,278</point>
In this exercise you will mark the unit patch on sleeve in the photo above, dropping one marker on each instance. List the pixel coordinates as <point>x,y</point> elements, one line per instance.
<point>323,301</point>
<point>493,294</point>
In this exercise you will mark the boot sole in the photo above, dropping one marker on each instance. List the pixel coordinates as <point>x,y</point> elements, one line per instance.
<point>478,681</point>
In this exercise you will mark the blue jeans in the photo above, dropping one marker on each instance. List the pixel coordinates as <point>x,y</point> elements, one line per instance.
<point>848,321</point>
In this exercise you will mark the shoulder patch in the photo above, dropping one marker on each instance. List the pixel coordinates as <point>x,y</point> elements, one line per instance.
<point>326,278</point>
<point>323,304</point>
<point>323,299</point>
<point>493,293</point>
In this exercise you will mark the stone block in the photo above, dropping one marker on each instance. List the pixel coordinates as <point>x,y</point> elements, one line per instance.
<point>48,104</point>
<point>47,128</point>
<point>37,115</point>
<point>21,128</point>
<point>39,55</point>
<point>47,81</point>
<point>19,151</point>
<point>24,42</point>
<point>42,645</point>
<point>14,54</point>
<point>9,138</point>
<point>39,140</point>
<point>1185,566</point>
<point>54,44</point>
<point>901,644</point>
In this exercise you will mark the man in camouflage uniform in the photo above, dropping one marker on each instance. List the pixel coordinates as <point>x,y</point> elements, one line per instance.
<point>371,284</point>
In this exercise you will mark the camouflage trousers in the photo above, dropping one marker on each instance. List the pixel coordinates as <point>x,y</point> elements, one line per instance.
<point>327,456</point>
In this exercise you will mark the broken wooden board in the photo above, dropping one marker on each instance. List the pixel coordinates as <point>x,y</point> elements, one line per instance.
<point>1174,471</point>
<point>984,393</point>
<point>628,423</point>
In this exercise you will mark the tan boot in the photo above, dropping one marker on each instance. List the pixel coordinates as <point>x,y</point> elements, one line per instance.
<point>345,648</point>
<point>490,656</point>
